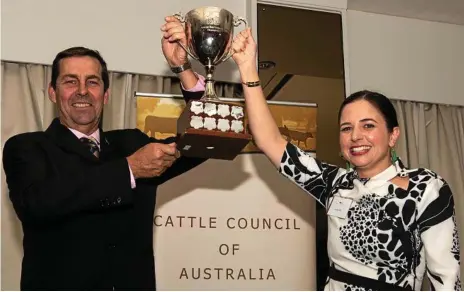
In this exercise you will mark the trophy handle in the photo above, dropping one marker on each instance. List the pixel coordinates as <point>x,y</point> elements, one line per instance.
<point>237,21</point>
<point>181,18</point>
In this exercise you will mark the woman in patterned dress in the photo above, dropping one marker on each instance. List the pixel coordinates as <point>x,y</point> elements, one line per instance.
<point>388,226</point>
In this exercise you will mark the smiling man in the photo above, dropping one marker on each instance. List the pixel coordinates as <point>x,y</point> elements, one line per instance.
<point>80,89</point>
<point>85,197</point>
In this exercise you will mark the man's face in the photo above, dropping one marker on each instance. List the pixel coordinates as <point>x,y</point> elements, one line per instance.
<point>79,93</point>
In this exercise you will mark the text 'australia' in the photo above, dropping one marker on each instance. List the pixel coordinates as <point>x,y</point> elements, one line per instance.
<point>226,274</point>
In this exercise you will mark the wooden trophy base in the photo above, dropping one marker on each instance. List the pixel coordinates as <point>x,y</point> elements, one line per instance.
<point>208,144</point>
<point>212,129</point>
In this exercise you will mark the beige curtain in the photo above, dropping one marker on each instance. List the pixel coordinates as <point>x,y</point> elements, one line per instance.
<point>26,107</point>
<point>432,136</point>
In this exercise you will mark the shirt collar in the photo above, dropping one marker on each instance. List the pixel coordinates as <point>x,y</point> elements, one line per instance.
<point>95,136</point>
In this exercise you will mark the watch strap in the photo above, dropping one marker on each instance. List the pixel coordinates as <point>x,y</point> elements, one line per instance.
<point>181,68</point>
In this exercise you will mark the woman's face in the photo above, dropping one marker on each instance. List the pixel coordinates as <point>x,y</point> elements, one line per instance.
<point>364,138</point>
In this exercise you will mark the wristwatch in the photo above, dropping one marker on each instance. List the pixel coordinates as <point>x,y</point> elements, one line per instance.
<point>181,68</point>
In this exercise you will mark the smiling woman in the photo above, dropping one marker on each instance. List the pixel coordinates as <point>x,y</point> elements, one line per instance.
<point>387,224</point>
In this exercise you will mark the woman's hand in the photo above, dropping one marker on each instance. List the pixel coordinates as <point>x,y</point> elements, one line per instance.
<point>244,47</point>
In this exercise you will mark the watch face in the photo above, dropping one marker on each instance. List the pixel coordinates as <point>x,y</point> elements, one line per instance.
<point>176,69</point>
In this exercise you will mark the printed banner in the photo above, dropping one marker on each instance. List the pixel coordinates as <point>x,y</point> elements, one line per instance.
<point>233,225</point>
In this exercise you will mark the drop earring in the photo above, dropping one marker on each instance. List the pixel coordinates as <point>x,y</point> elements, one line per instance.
<point>348,165</point>
<point>394,157</point>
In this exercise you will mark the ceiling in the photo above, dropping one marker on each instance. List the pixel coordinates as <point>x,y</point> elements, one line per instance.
<point>448,11</point>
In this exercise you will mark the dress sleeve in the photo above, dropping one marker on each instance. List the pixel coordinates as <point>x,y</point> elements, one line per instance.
<point>310,174</point>
<point>439,234</point>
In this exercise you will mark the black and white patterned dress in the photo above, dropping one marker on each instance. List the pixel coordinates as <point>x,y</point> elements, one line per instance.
<point>389,234</point>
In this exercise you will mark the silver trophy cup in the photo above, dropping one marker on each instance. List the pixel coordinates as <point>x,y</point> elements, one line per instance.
<point>210,32</point>
<point>210,127</point>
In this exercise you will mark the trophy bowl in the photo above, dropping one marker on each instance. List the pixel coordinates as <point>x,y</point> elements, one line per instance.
<point>211,127</point>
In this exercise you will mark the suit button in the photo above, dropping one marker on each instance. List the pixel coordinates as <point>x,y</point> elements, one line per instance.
<point>105,203</point>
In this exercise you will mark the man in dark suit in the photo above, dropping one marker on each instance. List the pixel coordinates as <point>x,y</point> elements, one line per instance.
<point>86,197</point>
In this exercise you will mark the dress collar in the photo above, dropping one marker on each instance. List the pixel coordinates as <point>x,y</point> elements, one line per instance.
<point>395,169</point>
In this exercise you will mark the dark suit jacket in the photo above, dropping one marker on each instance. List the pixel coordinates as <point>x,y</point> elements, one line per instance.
<point>84,227</point>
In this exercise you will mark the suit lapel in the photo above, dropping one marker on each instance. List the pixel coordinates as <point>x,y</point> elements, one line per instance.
<point>67,141</point>
<point>106,148</point>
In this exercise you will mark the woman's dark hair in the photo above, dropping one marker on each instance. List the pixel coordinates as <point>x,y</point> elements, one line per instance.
<point>379,101</point>
<point>79,52</point>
